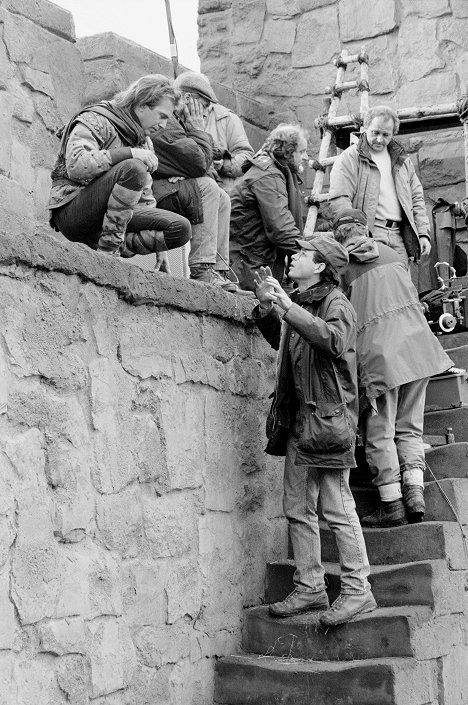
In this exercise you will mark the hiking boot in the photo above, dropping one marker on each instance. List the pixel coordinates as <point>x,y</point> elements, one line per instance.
<point>232,286</point>
<point>204,272</point>
<point>346,607</point>
<point>413,499</point>
<point>388,514</point>
<point>298,602</point>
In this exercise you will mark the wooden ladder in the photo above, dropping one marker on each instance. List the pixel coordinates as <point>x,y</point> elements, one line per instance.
<point>327,123</point>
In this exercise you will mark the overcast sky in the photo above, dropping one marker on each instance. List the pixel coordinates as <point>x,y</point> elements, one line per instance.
<point>142,21</point>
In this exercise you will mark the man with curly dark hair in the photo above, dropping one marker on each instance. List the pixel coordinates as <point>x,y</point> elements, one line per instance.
<point>266,206</point>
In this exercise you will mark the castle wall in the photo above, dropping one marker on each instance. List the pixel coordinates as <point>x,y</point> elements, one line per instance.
<point>137,508</point>
<point>280,51</point>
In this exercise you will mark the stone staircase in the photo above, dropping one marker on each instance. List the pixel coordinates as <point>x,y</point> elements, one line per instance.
<point>413,650</point>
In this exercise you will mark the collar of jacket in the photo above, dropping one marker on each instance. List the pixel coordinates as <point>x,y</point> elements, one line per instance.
<point>395,149</point>
<point>317,292</point>
<point>219,111</point>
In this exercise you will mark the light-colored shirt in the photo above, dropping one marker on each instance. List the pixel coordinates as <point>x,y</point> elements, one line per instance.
<point>388,207</point>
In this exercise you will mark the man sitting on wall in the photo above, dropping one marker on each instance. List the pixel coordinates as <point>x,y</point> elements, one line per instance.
<point>184,184</point>
<point>231,145</point>
<point>101,183</point>
<point>266,206</point>
<point>396,355</point>
<point>313,422</point>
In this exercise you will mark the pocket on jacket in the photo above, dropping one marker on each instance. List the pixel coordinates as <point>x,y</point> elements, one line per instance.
<point>327,429</point>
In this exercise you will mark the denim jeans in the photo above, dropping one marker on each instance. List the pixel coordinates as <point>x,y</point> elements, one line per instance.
<point>392,238</point>
<point>302,487</point>
<point>81,220</point>
<point>393,430</point>
<point>210,239</point>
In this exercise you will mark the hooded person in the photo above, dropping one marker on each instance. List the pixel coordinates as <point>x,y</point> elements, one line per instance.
<point>396,355</point>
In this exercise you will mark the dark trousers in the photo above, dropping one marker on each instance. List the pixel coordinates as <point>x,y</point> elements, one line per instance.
<point>81,219</point>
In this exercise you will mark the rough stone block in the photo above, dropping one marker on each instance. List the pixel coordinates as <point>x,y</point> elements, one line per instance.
<point>17,207</point>
<point>64,636</point>
<point>47,14</point>
<point>417,39</point>
<point>280,35</point>
<point>248,17</point>
<point>320,23</point>
<point>158,646</point>
<point>21,170</point>
<point>111,656</point>
<point>73,676</point>
<point>359,20</point>
<point>459,8</point>
<point>36,682</point>
<point>281,8</point>
<point>255,135</point>
<point>120,521</point>
<point>145,600</point>
<point>206,6</point>
<point>441,161</point>
<point>421,92</point>
<point>170,524</point>
<point>425,8</point>
<point>254,112</point>
<point>38,81</point>
<point>183,591</point>
<point>7,612</point>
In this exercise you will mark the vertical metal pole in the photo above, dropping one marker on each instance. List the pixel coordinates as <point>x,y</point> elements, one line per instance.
<point>172,39</point>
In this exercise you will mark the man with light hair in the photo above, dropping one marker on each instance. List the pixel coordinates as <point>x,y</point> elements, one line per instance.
<point>266,206</point>
<point>231,146</point>
<point>377,176</point>
<point>101,183</point>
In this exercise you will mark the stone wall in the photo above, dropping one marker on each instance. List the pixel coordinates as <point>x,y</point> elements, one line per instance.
<point>280,52</point>
<point>137,508</point>
<point>41,76</point>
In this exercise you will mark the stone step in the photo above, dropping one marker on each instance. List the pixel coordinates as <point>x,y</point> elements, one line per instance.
<point>429,540</point>
<point>453,340</point>
<point>428,583</point>
<point>247,679</point>
<point>435,422</point>
<point>459,356</point>
<point>446,392</point>
<point>437,508</point>
<point>447,461</point>
<point>385,633</point>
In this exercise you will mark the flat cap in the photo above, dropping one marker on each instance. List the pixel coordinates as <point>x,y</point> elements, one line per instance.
<point>192,81</point>
<point>331,250</point>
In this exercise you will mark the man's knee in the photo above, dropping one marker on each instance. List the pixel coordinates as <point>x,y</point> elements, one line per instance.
<point>209,189</point>
<point>177,231</point>
<point>132,174</point>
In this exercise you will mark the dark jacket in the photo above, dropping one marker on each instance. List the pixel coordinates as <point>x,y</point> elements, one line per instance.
<point>324,391</point>
<point>181,152</point>
<point>266,216</point>
<point>355,182</point>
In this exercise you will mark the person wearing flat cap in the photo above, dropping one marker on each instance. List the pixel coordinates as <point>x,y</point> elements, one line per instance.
<point>312,422</point>
<point>396,355</point>
<point>231,145</point>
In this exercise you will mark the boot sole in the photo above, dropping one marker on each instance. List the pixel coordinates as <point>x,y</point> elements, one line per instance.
<point>350,619</point>
<point>321,608</point>
<point>415,517</point>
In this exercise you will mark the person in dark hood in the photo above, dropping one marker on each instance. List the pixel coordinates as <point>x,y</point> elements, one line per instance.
<point>377,176</point>
<point>312,422</point>
<point>396,355</point>
<point>266,210</point>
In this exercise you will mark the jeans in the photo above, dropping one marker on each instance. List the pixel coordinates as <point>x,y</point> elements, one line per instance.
<point>92,215</point>
<point>210,239</point>
<point>302,487</point>
<point>393,430</point>
<point>392,238</point>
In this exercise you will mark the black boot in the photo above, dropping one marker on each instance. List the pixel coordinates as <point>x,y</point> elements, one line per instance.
<point>388,514</point>
<point>413,498</point>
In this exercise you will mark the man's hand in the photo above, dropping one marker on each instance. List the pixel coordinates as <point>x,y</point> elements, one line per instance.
<point>426,246</point>
<point>194,114</point>
<point>263,291</point>
<point>149,159</point>
<point>162,262</point>
<point>174,179</point>
<point>278,295</point>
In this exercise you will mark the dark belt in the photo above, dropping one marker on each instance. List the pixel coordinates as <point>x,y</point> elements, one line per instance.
<point>390,223</point>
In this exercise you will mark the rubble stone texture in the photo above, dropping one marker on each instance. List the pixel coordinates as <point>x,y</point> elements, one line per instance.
<point>137,507</point>
<point>418,57</point>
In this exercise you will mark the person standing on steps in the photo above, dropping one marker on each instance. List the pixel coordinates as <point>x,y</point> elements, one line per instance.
<point>101,183</point>
<point>377,176</point>
<point>312,422</point>
<point>396,355</point>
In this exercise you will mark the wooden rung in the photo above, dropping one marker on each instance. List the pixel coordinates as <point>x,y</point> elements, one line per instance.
<point>327,161</point>
<point>339,87</point>
<point>403,114</point>
<point>350,59</point>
